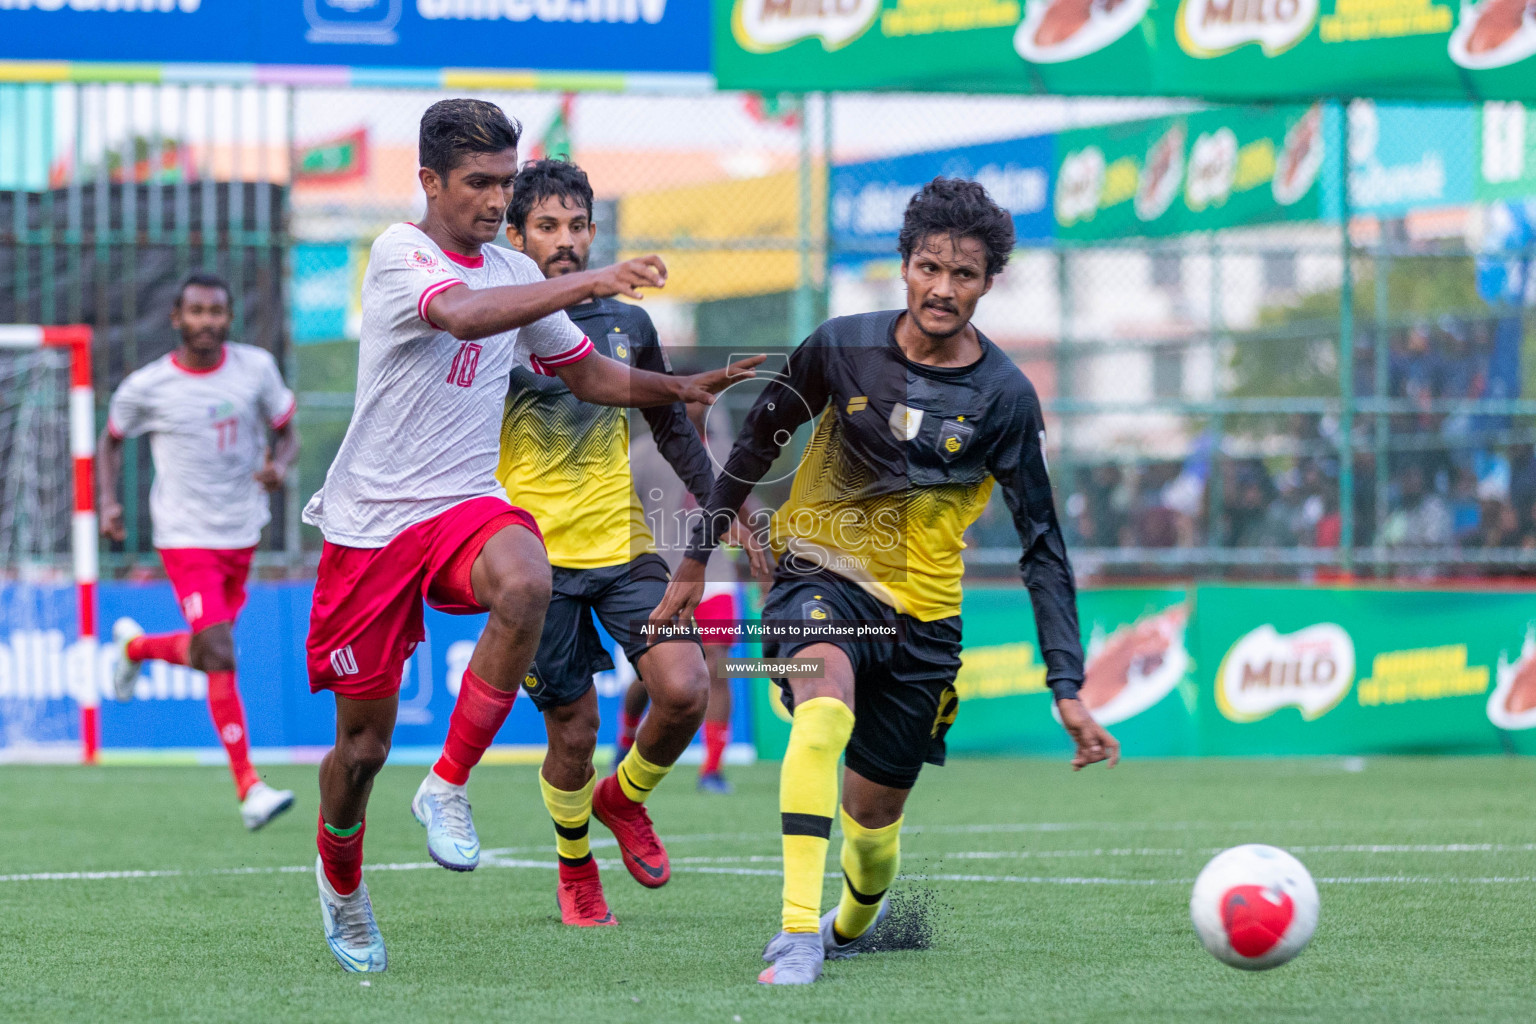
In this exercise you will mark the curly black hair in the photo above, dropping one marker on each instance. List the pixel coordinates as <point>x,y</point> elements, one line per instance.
<point>538,180</point>
<point>452,128</point>
<point>960,209</point>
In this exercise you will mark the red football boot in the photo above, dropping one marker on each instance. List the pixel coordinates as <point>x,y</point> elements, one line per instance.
<point>581,897</point>
<point>644,855</point>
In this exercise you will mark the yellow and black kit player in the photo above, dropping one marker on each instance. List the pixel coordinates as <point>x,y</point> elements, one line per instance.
<point>918,417</point>
<point>567,462</point>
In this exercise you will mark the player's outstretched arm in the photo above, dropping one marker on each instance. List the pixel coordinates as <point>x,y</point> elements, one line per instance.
<point>1020,470</point>
<point>109,468</point>
<point>603,381</point>
<point>472,313</point>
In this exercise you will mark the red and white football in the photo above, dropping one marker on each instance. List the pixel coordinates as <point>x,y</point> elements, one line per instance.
<point>1254,907</point>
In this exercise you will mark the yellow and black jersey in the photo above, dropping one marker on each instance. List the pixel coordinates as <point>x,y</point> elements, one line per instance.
<point>903,459</point>
<point>567,461</point>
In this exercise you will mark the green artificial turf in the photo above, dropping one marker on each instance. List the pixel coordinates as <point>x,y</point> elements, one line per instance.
<point>1016,871</point>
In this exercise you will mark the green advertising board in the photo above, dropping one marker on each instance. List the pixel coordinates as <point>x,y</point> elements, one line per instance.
<point>1506,151</point>
<point>1192,172</point>
<point>1238,671</point>
<point>1136,676</point>
<point>1335,671</point>
<point>1218,49</point>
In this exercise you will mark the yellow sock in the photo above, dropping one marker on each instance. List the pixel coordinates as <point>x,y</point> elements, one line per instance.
<point>870,859</point>
<point>571,812</point>
<point>807,798</point>
<point>638,777</point>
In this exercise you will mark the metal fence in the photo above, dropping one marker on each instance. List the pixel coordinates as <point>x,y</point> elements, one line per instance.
<point>1258,401</point>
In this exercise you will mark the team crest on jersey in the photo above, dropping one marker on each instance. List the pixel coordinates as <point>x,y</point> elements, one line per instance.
<point>905,421</point>
<point>954,436</point>
<point>815,611</point>
<point>619,344</point>
<point>420,259</point>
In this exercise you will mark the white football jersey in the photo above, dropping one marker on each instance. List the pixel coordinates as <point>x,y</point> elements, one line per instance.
<point>208,437</point>
<point>426,430</point>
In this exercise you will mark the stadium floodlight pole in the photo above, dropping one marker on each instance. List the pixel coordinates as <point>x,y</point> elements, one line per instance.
<point>82,437</point>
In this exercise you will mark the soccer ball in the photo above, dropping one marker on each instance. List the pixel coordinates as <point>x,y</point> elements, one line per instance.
<point>1254,907</point>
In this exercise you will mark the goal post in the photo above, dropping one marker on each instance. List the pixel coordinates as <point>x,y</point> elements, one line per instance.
<point>76,341</point>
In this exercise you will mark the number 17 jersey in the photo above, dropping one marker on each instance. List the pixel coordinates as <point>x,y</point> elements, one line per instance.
<point>208,436</point>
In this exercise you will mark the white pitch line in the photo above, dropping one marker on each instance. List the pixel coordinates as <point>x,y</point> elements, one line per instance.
<point>719,866</point>
<point>1372,848</point>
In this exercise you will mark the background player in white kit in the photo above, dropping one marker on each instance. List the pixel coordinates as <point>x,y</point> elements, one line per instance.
<point>208,407</point>
<point>411,507</point>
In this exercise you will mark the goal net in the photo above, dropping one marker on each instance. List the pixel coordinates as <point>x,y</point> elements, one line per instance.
<point>48,678</point>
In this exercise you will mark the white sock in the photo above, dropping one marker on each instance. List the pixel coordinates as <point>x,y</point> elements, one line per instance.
<point>439,784</point>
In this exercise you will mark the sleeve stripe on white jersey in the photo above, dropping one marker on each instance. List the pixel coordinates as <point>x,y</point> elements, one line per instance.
<point>282,421</point>
<point>115,430</point>
<point>432,293</point>
<point>571,355</point>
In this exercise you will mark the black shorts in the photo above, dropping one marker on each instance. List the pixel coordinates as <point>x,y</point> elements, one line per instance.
<point>622,596</point>
<point>904,691</point>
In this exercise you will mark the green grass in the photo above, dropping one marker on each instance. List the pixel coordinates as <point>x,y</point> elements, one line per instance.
<point>1442,942</point>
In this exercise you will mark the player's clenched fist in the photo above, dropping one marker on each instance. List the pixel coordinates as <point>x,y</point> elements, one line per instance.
<point>629,277</point>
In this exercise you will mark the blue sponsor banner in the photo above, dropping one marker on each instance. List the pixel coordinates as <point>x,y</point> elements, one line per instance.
<point>869,198</point>
<point>587,35</point>
<point>1402,157</point>
<point>41,667</point>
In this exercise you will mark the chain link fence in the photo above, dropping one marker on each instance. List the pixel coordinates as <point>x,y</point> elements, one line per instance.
<point>1262,400</point>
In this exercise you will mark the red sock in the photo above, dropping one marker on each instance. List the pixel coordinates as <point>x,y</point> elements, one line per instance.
<point>342,857</point>
<point>229,722</point>
<point>171,647</point>
<point>716,736</point>
<point>629,728</point>
<point>479,712</point>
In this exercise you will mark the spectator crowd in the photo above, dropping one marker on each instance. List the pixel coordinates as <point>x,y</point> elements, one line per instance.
<point>1457,481</point>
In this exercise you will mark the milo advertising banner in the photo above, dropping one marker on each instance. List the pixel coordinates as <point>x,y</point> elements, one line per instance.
<point>1301,671</point>
<point>1193,172</point>
<point>1218,49</point>
<point>1136,676</point>
<point>1239,671</point>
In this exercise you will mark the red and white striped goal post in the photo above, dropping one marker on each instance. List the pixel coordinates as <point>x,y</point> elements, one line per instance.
<point>82,445</point>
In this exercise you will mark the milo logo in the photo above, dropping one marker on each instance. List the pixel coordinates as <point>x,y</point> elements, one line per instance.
<point>1311,669</point>
<point>1210,28</point>
<point>761,26</point>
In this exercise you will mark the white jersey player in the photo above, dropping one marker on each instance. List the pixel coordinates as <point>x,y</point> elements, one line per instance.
<point>411,508</point>
<point>209,408</point>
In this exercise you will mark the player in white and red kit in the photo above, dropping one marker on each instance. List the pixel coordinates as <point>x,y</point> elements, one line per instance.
<point>208,409</point>
<point>411,507</point>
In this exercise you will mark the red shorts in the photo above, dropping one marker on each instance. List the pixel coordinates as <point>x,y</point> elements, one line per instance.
<point>366,618</point>
<point>715,616</point>
<point>209,582</point>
